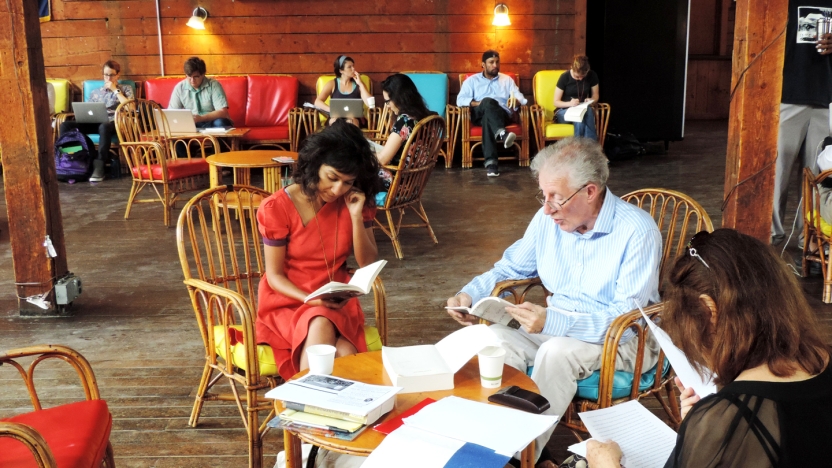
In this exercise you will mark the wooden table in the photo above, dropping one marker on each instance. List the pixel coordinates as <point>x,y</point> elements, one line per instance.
<point>367,368</point>
<point>243,161</point>
<point>231,137</point>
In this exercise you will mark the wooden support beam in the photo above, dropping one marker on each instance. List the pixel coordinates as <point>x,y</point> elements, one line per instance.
<point>28,167</point>
<point>756,82</point>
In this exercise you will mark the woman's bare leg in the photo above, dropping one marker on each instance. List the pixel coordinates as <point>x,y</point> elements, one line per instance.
<point>321,331</point>
<point>344,348</point>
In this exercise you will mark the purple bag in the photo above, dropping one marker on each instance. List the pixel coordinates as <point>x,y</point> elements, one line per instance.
<point>76,165</point>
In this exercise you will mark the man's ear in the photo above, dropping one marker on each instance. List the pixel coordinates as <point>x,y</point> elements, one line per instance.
<point>592,192</point>
<point>708,302</point>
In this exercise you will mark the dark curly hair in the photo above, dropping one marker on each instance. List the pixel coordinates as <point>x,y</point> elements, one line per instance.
<point>401,90</point>
<point>343,146</point>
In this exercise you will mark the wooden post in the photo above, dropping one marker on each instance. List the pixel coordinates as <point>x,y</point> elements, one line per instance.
<point>29,171</point>
<point>756,81</point>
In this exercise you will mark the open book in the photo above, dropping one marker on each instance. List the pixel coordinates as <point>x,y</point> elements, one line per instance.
<point>425,368</point>
<point>576,113</point>
<point>219,130</point>
<point>492,309</point>
<point>359,285</point>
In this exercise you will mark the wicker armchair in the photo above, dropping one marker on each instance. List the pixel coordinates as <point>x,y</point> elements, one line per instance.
<point>42,433</point>
<point>151,154</point>
<point>410,178</point>
<point>678,217</point>
<point>222,261</point>
<point>817,232</point>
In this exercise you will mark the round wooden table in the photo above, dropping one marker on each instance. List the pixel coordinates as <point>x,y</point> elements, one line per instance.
<point>368,368</point>
<point>243,161</point>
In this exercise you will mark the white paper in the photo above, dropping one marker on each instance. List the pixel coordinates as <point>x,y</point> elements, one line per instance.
<point>408,447</point>
<point>414,361</point>
<point>576,113</point>
<point>364,277</point>
<point>334,393</point>
<point>686,373</point>
<point>645,440</point>
<point>504,430</point>
<point>460,346</point>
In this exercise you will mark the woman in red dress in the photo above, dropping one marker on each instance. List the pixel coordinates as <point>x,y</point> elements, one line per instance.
<point>309,229</point>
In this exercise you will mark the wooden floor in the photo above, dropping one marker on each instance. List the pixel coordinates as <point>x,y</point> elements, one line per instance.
<point>135,325</point>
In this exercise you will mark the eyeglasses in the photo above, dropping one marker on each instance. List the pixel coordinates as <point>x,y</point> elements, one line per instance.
<point>111,75</point>
<point>692,250</point>
<point>542,199</point>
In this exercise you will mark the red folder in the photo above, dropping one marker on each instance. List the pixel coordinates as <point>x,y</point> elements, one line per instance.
<point>389,426</point>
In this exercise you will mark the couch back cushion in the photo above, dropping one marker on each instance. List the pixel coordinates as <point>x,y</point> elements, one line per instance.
<point>434,89</point>
<point>92,85</point>
<point>236,92</point>
<point>270,98</point>
<point>160,89</point>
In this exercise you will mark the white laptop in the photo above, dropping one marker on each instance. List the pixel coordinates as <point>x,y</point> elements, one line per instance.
<point>351,108</point>
<point>90,112</point>
<point>180,121</point>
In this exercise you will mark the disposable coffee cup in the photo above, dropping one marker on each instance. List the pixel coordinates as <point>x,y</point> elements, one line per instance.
<point>321,357</point>
<point>491,361</point>
<point>371,102</point>
<point>824,26</point>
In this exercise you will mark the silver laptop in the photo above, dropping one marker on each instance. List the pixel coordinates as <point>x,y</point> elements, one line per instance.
<point>90,112</point>
<point>341,108</point>
<point>180,121</point>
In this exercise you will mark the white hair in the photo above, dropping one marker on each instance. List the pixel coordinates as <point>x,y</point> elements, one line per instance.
<point>581,158</point>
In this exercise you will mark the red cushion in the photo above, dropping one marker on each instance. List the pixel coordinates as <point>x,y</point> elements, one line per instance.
<point>514,128</point>
<point>275,132</point>
<point>160,89</point>
<point>270,98</point>
<point>514,76</point>
<point>177,169</point>
<point>76,433</point>
<point>236,92</point>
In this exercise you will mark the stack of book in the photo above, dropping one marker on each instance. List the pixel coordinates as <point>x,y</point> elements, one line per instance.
<point>327,406</point>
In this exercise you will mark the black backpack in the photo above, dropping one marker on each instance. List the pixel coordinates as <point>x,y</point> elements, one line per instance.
<point>73,156</point>
<point>622,146</point>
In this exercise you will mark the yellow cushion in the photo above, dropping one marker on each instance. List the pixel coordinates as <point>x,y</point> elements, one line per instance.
<point>63,93</point>
<point>545,82</point>
<point>265,356</point>
<point>825,227</point>
<point>554,130</point>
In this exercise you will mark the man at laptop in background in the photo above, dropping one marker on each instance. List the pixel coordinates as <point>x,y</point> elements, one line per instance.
<point>111,94</point>
<point>488,95</point>
<point>203,96</point>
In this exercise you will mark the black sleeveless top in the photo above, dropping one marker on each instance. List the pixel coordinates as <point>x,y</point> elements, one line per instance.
<point>354,94</point>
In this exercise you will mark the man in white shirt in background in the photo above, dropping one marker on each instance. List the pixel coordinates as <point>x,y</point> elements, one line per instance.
<point>488,95</point>
<point>596,253</point>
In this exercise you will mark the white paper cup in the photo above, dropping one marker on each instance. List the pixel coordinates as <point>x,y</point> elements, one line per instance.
<point>371,102</point>
<point>491,360</point>
<point>321,357</point>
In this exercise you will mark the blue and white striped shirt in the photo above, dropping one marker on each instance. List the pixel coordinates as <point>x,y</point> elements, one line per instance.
<point>478,87</point>
<point>594,277</point>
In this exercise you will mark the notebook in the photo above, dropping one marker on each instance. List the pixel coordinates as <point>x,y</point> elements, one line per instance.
<point>351,108</point>
<point>180,121</point>
<point>90,112</point>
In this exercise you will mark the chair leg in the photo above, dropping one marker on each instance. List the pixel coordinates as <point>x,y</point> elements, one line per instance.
<point>134,190</point>
<point>394,235</point>
<point>167,201</point>
<point>255,441</point>
<point>422,214</point>
<point>109,460</point>
<point>827,279</point>
<point>204,385</point>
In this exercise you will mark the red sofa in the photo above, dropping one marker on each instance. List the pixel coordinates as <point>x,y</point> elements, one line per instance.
<point>263,103</point>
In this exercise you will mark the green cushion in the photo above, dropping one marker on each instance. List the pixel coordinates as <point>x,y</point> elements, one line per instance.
<point>622,382</point>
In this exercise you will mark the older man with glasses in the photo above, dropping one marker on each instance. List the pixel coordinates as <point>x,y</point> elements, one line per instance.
<point>597,254</point>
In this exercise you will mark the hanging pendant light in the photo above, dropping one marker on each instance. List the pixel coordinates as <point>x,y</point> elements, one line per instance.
<point>197,21</point>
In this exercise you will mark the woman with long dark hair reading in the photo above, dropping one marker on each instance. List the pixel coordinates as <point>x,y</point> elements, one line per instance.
<point>309,229</point>
<point>733,306</point>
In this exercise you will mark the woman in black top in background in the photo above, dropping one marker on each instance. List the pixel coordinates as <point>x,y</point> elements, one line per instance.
<point>577,85</point>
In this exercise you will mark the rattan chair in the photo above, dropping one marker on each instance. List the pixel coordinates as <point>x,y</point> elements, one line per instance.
<point>678,218</point>
<point>817,232</point>
<point>151,154</point>
<point>42,433</point>
<point>410,178</point>
<point>221,254</point>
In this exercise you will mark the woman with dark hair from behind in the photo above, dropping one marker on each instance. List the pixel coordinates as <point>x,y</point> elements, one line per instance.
<point>309,229</point>
<point>733,306</point>
<point>404,100</point>
<point>346,85</point>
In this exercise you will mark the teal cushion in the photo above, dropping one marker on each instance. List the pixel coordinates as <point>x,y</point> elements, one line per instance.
<point>622,382</point>
<point>90,85</point>
<point>95,137</point>
<point>434,89</point>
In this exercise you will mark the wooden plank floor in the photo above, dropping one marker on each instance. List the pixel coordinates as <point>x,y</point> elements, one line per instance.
<point>135,325</point>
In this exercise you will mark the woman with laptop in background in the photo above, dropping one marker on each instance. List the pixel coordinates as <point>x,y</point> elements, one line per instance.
<point>309,229</point>
<point>401,95</point>
<point>346,85</point>
<point>111,94</point>
<point>733,306</point>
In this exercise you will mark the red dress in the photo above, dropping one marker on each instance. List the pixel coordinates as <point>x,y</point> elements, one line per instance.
<point>283,322</point>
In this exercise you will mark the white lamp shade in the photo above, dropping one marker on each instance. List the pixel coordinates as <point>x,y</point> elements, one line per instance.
<point>197,21</point>
<point>501,15</point>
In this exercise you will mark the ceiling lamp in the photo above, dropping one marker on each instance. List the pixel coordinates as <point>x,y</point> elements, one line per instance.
<point>197,21</point>
<point>501,15</point>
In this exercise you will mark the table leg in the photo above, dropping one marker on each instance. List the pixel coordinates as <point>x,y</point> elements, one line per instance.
<point>526,456</point>
<point>242,176</point>
<point>214,175</point>
<point>271,179</point>
<point>294,455</point>
<point>235,144</point>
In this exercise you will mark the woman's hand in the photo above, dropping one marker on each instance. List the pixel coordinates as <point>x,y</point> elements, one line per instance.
<point>334,303</point>
<point>603,454</point>
<point>355,202</point>
<point>357,77</point>
<point>574,102</point>
<point>687,397</point>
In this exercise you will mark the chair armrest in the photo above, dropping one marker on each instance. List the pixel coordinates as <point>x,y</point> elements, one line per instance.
<point>518,289</point>
<point>44,352</point>
<point>538,121</point>
<point>32,440</point>
<point>173,141</point>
